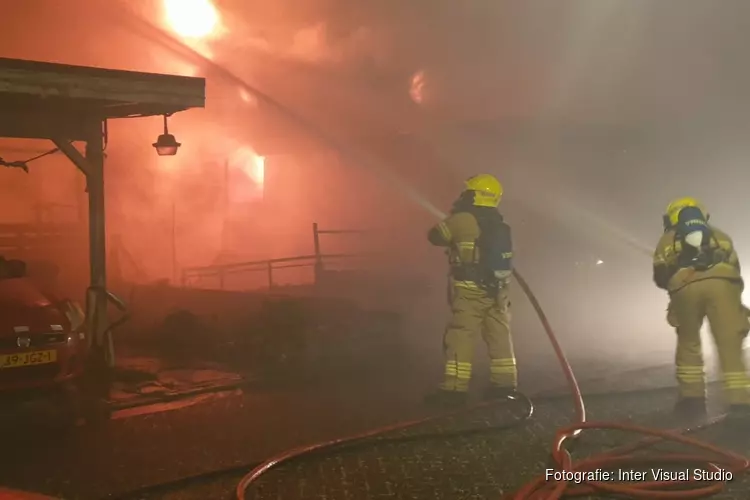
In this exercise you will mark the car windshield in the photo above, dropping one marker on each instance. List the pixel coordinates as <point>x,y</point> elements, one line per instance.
<point>21,292</point>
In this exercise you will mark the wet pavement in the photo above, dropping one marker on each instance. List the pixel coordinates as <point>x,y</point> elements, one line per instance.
<point>477,466</point>
<point>125,454</point>
<point>242,429</point>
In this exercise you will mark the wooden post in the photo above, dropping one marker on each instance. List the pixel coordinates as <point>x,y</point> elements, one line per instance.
<point>102,357</point>
<point>225,211</point>
<point>97,237</point>
<point>318,267</point>
<point>270,274</point>
<point>174,244</point>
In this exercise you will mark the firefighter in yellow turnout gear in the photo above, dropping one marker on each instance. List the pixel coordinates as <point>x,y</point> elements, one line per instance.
<point>480,253</point>
<point>698,266</point>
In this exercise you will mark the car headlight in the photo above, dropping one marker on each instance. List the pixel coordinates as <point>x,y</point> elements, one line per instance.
<point>75,337</point>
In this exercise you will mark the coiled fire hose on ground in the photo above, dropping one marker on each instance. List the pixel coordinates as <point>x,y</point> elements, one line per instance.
<point>713,460</point>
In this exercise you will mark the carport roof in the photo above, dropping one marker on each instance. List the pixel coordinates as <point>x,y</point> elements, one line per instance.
<point>49,100</point>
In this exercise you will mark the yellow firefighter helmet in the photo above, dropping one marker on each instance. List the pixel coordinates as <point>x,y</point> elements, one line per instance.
<point>672,211</point>
<point>487,190</point>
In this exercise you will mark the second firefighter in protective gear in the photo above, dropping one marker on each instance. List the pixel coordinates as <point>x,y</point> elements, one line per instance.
<point>480,256</point>
<point>698,266</point>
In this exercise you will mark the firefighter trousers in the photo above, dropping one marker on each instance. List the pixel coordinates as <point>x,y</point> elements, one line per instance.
<point>720,301</point>
<point>474,311</point>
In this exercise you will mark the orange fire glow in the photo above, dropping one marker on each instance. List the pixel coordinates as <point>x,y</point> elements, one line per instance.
<point>248,97</point>
<point>416,90</point>
<point>192,18</point>
<point>255,169</point>
<point>252,166</point>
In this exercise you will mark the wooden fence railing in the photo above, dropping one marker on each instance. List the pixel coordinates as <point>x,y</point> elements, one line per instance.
<point>18,239</point>
<point>317,260</point>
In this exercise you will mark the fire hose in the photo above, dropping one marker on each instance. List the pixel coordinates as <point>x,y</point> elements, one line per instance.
<point>620,458</point>
<point>540,488</point>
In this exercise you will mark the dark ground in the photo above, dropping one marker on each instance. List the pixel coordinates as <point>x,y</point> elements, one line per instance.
<point>127,454</point>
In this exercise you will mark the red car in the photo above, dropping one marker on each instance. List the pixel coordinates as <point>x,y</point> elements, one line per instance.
<point>43,344</point>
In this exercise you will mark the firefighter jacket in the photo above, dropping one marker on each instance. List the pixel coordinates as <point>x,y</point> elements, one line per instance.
<point>460,232</point>
<point>671,272</point>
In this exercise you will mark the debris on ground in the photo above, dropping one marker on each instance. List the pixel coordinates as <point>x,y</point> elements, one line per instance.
<point>136,377</point>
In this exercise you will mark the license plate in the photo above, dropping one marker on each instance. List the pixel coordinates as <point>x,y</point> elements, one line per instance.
<point>27,359</point>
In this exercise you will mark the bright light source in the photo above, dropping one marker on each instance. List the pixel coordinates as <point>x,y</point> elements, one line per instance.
<point>191,18</point>
<point>248,97</point>
<point>166,144</point>
<point>255,169</point>
<point>599,262</point>
<point>252,166</point>
<point>260,169</point>
<point>416,89</point>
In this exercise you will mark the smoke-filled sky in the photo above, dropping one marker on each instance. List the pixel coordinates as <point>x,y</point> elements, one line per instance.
<point>594,114</point>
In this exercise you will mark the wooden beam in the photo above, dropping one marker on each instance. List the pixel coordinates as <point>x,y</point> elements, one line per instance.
<point>40,123</point>
<point>73,155</point>
<point>44,80</point>
<point>14,237</point>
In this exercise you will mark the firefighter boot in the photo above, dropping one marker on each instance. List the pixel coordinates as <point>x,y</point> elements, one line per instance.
<point>495,392</point>
<point>446,399</point>
<point>690,408</point>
